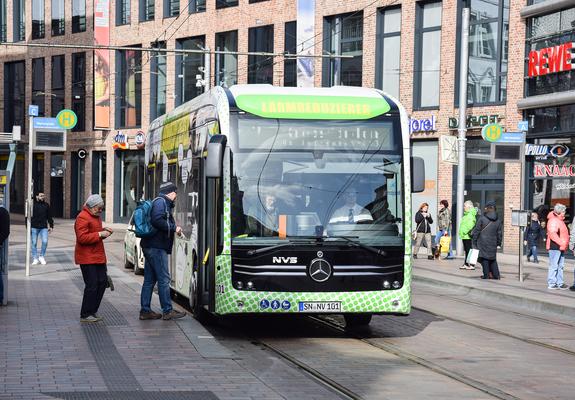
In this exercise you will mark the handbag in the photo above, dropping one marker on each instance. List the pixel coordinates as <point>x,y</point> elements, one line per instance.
<point>472,257</point>
<point>109,283</point>
<point>414,233</point>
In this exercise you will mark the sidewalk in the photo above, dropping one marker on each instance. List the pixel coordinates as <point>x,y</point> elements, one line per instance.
<point>531,294</point>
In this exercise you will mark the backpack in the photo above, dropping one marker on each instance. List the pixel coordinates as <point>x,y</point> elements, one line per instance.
<point>142,219</point>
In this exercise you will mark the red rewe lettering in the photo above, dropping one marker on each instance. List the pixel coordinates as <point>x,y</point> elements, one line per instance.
<point>543,61</point>
<point>567,56</point>
<point>556,58</point>
<point>533,63</point>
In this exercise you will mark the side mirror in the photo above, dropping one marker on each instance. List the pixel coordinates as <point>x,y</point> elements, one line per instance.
<point>417,175</point>
<point>216,148</point>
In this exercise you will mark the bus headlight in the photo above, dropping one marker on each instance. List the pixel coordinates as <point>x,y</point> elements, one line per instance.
<point>386,284</point>
<point>250,285</point>
<point>396,284</point>
<point>239,285</point>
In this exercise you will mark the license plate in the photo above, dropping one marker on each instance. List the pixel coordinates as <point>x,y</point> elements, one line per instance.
<point>319,306</point>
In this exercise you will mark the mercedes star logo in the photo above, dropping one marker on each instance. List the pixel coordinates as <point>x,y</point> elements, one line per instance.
<point>320,270</point>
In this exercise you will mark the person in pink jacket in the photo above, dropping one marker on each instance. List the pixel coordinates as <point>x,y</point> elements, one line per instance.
<point>557,243</point>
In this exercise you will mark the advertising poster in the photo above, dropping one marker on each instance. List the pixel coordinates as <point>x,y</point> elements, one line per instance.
<point>305,42</point>
<point>102,65</point>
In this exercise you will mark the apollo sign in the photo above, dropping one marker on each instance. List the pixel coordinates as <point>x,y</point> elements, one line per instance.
<point>542,151</point>
<point>551,60</point>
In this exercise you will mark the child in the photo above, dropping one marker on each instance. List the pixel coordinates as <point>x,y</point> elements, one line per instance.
<point>533,232</point>
<point>444,245</point>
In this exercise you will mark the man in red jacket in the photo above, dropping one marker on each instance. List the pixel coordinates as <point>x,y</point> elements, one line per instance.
<point>91,256</point>
<point>557,243</point>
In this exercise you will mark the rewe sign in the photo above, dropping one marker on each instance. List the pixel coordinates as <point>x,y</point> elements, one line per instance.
<point>551,59</point>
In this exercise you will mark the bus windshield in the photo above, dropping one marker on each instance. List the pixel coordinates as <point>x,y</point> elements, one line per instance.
<point>329,179</point>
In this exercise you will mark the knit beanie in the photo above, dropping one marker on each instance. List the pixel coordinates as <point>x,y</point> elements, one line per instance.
<point>94,200</point>
<point>167,187</point>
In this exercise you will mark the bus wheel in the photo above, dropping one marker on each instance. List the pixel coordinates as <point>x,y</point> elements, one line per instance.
<point>356,320</point>
<point>196,308</point>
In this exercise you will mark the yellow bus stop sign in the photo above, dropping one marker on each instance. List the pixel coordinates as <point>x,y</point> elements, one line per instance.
<point>67,119</point>
<point>492,132</point>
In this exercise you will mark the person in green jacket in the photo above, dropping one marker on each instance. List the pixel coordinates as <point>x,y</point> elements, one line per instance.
<point>465,227</point>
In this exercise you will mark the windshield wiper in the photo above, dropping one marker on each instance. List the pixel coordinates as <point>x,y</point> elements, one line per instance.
<point>352,240</point>
<point>290,242</point>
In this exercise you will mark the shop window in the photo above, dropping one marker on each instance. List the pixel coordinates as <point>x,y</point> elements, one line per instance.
<point>19,25</point>
<point>78,16</point>
<point>290,44</point>
<point>388,50</point>
<point>343,35</point>
<point>171,8</point>
<point>38,85</point>
<point>226,64</point>
<point>226,3</point>
<point>147,10</point>
<point>260,68</point>
<point>14,94</point>
<point>158,82</point>
<point>58,82</point>
<point>128,88</point>
<point>99,174</point>
<point>38,24</point>
<point>3,25</point>
<point>187,67</point>
<point>427,57</point>
<point>123,12</point>
<point>128,183</point>
<point>58,21</point>
<point>79,89</point>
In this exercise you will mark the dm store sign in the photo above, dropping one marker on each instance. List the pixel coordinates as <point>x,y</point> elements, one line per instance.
<point>120,141</point>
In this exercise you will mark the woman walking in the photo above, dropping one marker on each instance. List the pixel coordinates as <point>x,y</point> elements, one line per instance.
<point>423,220</point>
<point>533,233</point>
<point>91,256</point>
<point>465,227</point>
<point>487,236</point>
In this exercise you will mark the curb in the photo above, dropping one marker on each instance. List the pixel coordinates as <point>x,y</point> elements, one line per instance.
<point>515,300</point>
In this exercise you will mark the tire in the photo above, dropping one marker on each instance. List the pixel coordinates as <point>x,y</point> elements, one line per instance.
<point>197,310</point>
<point>357,320</point>
<point>127,264</point>
<point>137,269</point>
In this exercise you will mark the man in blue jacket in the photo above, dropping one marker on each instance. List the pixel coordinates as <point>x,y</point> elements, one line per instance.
<point>156,249</point>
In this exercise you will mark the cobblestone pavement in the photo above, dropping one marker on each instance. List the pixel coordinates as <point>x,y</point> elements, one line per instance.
<point>452,346</point>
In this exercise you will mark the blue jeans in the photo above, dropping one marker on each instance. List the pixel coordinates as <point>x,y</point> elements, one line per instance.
<point>43,233</point>
<point>533,252</point>
<point>438,236</point>
<point>156,270</point>
<point>556,263</point>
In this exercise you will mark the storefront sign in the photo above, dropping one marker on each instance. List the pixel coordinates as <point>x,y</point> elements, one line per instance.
<point>523,126</point>
<point>82,153</point>
<point>140,139</point>
<point>475,121</point>
<point>542,151</point>
<point>542,171</point>
<point>551,60</point>
<point>120,141</point>
<point>422,125</point>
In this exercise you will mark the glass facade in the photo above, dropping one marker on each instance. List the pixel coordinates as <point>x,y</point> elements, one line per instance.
<point>343,35</point>
<point>488,51</point>
<point>388,50</point>
<point>38,85</point>
<point>427,57</point>
<point>187,67</point>
<point>128,88</point>
<point>38,24</point>
<point>14,94</point>
<point>261,68</point>
<point>290,44</point>
<point>58,83</point>
<point>158,82</point>
<point>78,16</point>
<point>58,20</point>
<point>79,89</point>
<point>226,64</point>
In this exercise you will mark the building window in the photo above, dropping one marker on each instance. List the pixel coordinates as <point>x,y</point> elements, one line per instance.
<point>79,89</point>
<point>128,88</point>
<point>488,42</point>
<point>38,24</point>
<point>260,68</point>
<point>187,67</point>
<point>122,12</point>
<point>226,3</point>
<point>227,64</point>
<point>38,85</point>
<point>58,82</point>
<point>290,44</point>
<point>58,17</point>
<point>3,22</point>
<point>19,19</point>
<point>78,16</point>
<point>129,174</point>
<point>147,12</point>
<point>343,35</point>
<point>427,55</point>
<point>388,44</point>
<point>171,8</point>
<point>14,94</point>
<point>196,6</point>
<point>257,1</point>
<point>158,82</point>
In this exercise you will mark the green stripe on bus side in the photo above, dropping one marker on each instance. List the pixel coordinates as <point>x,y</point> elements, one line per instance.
<point>312,107</point>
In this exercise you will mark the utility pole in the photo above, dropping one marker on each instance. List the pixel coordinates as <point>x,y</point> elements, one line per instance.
<point>462,129</point>
<point>29,202</point>
<point>207,69</point>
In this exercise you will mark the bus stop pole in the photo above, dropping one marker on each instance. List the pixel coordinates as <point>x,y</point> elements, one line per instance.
<point>462,129</point>
<point>29,202</point>
<point>521,203</point>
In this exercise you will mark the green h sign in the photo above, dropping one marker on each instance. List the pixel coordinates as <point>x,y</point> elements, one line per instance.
<point>67,119</point>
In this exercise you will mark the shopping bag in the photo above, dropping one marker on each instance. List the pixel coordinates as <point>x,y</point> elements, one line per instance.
<point>444,244</point>
<point>472,256</point>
